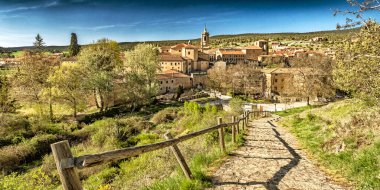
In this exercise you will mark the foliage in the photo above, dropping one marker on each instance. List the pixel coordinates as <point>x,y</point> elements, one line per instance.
<point>7,103</point>
<point>39,43</point>
<point>312,77</point>
<point>74,47</point>
<point>101,61</point>
<point>239,78</point>
<point>67,84</point>
<point>357,67</point>
<point>166,115</point>
<point>31,80</point>
<point>141,65</point>
<point>236,105</point>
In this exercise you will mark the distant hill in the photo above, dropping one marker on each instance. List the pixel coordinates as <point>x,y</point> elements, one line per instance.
<point>331,35</point>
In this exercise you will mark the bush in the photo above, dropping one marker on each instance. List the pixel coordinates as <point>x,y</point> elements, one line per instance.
<point>13,129</point>
<point>13,156</point>
<point>166,115</point>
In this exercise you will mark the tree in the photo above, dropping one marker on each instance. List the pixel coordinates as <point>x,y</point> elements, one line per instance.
<point>357,68</point>
<point>74,47</point>
<point>67,83</point>
<point>101,61</point>
<point>358,8</point>
<point>311,76</point>
<point>216,79</point>
<point>30,81</point>
<point>140,73</point>
<point>39,43</point>
<point>7,103</point>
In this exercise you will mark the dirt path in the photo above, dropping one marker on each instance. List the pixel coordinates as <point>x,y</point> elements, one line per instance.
<point>270,160</point>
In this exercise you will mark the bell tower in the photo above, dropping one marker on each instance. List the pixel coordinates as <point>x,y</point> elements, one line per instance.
<point>205,39</point>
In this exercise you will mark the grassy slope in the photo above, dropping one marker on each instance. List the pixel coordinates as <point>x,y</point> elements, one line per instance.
<point>344,138</point>
<point>155,170</point>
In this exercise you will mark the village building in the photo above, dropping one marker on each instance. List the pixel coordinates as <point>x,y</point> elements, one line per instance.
<point>169,81</point>
<point>286,84</point>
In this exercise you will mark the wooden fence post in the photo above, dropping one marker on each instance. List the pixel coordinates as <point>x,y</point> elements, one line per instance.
<point>247,117</point>
<point>62,157</point>
<point>233,130</point>
<point>178,155</point>
<point>243,121</point>
<point>237,125</point>
<point>221,136</point>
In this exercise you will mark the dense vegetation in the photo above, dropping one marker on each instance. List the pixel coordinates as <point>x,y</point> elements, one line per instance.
<point>344,137</point>
<point>156,170</point>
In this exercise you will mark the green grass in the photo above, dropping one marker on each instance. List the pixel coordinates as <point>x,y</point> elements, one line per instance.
<point>359,160</point>
<point>294,111</point>
<point>18,54</point>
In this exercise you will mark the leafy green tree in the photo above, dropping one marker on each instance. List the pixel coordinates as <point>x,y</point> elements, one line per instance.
<point>102,62</point>
<point>39,43</point>
<point>7,103</point>
<point>357,68</point>
<point>67,83</point>
<point>74,47</point>
<point>140,71</point>
<point>30,81</point>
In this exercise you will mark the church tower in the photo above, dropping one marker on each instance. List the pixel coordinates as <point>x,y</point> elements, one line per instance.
<point>205,39</point>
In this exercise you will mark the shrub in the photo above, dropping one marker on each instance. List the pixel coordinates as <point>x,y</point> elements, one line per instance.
<point>166,115</point>
<point>13,156</point>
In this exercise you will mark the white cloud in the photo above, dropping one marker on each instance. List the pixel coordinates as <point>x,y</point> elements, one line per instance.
<point>26,8</point>
<point>103,27</point>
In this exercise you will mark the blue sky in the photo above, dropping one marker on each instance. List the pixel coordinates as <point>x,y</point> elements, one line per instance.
<point>144,20</point>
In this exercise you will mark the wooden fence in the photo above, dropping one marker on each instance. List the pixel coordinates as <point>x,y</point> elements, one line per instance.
<point>67,164</point>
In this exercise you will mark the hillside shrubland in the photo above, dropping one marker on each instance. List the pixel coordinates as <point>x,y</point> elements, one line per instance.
<point>344,137</point>
<point>154,170</point>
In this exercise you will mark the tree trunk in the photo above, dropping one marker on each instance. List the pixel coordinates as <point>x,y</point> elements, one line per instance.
<point>75,108</point>
<point>96,99</point>
<point>101,102</point>
<point>50,105</point>
<point>308,101</point>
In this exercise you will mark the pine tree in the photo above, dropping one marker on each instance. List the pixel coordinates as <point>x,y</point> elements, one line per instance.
<point>39,43</point>
<point>74,47</point>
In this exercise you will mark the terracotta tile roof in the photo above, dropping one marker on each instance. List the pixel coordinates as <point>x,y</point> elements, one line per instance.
<point>170,57</point>
<point>180,46</point>
<point>169,74</point>
<point>252,47</point>
<point>235,52</point>
<point>211,51</point>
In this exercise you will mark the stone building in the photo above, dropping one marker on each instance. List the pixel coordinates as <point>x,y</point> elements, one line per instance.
<point>169,81</point>
<point>287,84</point>
<point>263,44</point>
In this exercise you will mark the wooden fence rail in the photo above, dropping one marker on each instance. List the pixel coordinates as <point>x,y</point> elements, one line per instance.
<point>67,164</point>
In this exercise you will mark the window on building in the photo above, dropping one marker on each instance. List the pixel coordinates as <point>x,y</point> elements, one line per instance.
<point>160,82</point>
<point>188,53</point>
<point>275,80</point>
<point>172,81</point>
<point>167,81</point>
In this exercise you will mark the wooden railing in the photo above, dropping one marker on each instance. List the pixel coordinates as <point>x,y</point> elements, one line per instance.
<point>67,164</point>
